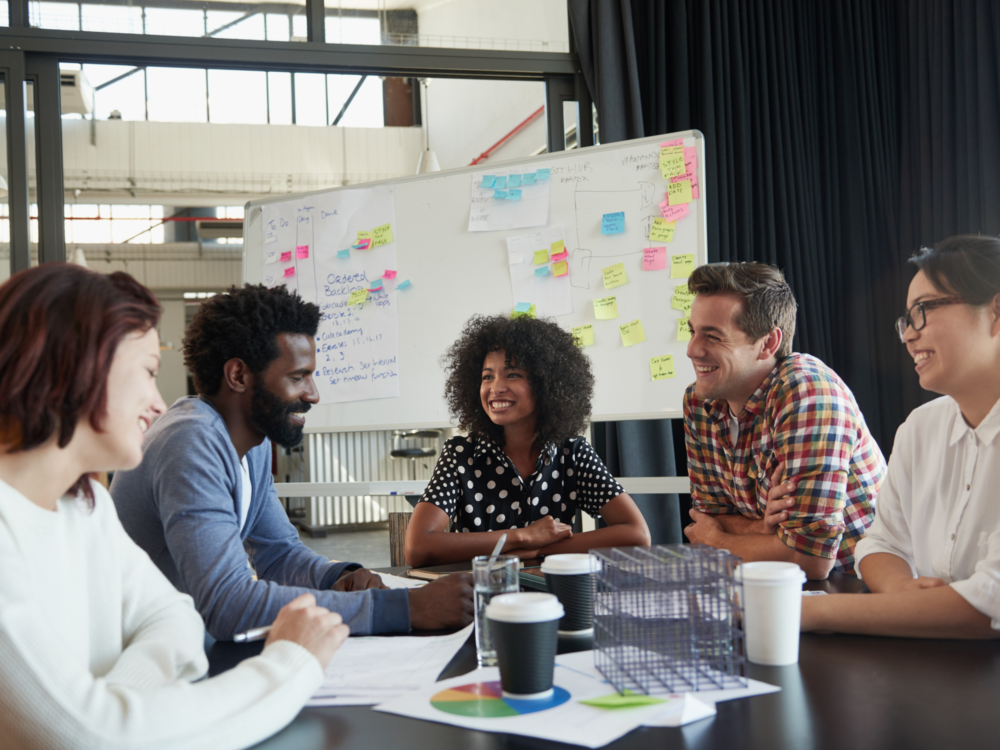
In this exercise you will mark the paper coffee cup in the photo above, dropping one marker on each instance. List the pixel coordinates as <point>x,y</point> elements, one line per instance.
<point>569,578</point>
<point>524,628</point>
<point>772,611</point>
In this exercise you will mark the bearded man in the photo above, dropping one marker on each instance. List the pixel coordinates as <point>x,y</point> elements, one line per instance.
<point>202,502</point>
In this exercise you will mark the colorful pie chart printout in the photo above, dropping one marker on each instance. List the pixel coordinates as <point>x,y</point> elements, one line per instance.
<point>486,700</point>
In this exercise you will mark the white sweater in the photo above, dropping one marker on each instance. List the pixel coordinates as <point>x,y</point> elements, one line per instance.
<point>98,650</point>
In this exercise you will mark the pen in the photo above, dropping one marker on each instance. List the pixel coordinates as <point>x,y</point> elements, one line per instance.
<point>254,634</point>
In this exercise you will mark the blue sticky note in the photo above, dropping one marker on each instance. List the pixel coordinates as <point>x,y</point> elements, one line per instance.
<point>514,180</point>
<point>543,174</point>
<point>522,307</point>
<point>513,195</point>
<point>375,285</point>
<point>403,284</point>
<point>499,193</point>
<point>487,181</point>
<point>500,182</point>
<point>613,223</point>
<point>344,253</point>
<point>528,179</point>
<point>542,271</point>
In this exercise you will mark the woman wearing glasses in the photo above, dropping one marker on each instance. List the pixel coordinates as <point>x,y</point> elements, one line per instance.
<point>932,555</point>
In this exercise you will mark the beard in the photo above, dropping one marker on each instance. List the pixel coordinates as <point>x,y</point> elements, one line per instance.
<point>270,415</point>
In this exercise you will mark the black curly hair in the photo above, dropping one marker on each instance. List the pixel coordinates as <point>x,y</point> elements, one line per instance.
<point>243,324</point>
<point>558,371</point>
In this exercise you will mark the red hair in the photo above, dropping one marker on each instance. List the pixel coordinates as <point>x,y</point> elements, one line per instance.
<point>60,325</point>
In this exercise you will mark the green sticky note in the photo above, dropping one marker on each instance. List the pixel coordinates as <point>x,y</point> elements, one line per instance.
<point>672,161</point>
<point>606,308</point>
<point>560,269</point>
<point>541,256</point>
<point>661,368</point>
<point>683,330</point>
<point>626,700</point>
<point>357,297</point>
<point>530,312</point>
<point>682,299</point>
<point>679,192</point>
<point>364,236</point>
<point>557,247</point>
<point>632,333</point>
<point>584,335</point>
<point>681,266</point>
<point>614,276</point>
<point>662,230</point>
<point>382,235</point>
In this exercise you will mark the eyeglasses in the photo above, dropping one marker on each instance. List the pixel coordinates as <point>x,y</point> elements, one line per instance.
<point>916,316</point>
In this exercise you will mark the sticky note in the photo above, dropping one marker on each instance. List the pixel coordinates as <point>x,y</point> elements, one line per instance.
<point>290,271</point>
<point>362,244</point>
<point>541,256</point>
<point>362,236</point>
<point>654,258</point>
<point>662,230</point>
<point>302,252</point>
<point>557,247</point>
<point>614,276</point>
<point>584,335</point>
<point>403,284</point>
<point>626,700</point>
<point>522,307</point>
<point>382,235</point>
<point>672,161</point>
<point>674,142</point>
<point>375,285</point>
<point>561,268</point>
<point>683,330</point>
<point>500,182</point>
<point>690,159</point>
<point>681,266</point>
<point>389,274</point>
<point>613,223</point>
<point>514,180</point>
<point>500,194</point>
<point>683,299</point>
<point>679,192</point>
<point>357,297</point>
<point>661,368</point>
<point>286,256</point>
<point>344,253</point>
<point>606,308</point>
<point>528,179</point>
<point>487,181</point>
<point>674,213</point>
<point>542,271</point>
<point>632,333</point>
<point>271,257</point>
<point>530,312</point>
<point>514,195</point>
<point>543,174</point>
<point>561,256</point>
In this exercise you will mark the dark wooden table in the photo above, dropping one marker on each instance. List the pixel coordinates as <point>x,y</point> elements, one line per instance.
<point>848,692</point>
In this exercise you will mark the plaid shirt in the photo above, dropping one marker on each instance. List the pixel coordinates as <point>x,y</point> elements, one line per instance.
<point>805,415</point>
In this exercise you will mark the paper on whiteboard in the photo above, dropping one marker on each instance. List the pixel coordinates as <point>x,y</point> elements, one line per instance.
<point>489,213</point>
<point>357,346</point>
<point>551,294</point>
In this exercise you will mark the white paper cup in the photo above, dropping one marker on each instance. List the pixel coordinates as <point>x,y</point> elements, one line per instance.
<point>772,610</point>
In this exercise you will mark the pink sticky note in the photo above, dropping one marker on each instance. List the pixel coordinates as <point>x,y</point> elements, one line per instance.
<point>560,256</point>
<point>286,256</point>
<point>694,192</point>
<point>389,274</point>
<point>673,213</point>
<point>290,271</point>
<point>654,258</point>
<point>675,142</point>
<point>302,252</point>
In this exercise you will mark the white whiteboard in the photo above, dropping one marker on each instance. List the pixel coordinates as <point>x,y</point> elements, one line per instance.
<point>455,273</point>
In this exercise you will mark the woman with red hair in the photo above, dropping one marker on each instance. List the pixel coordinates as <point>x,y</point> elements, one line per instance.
<point>97,648</point>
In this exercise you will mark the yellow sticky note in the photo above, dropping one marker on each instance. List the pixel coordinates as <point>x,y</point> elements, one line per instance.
<point>683,331</point>
<point>557,247</point>
<point>661,368</point>
<point>679,192</point>
<point>382,235</point>
<point>672,161</point>
<point>530,312</point>
<point>541,256</point>
<point>682,299</point>
<point>662,230</point>
<point>560,269</point>
<point>357,297</point>
<point>364,236</point>
<point>606,308</point>
<point>681,266</point>
<point>632,333</point>
<point>584,335</point>
<point>615,276</point>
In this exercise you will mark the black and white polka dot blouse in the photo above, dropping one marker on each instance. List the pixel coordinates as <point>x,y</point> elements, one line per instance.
<point>478,486</point>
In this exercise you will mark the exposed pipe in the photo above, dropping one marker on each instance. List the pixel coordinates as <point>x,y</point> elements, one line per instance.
<point>511,134</point>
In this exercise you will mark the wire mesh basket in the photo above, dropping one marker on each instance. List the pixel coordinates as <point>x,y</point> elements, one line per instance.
<point>668,619</point>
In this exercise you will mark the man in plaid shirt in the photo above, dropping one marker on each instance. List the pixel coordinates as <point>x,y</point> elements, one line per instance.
<point>759,419</point>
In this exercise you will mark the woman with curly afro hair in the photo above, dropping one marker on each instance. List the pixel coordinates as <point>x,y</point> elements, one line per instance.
<point>521,388</point>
